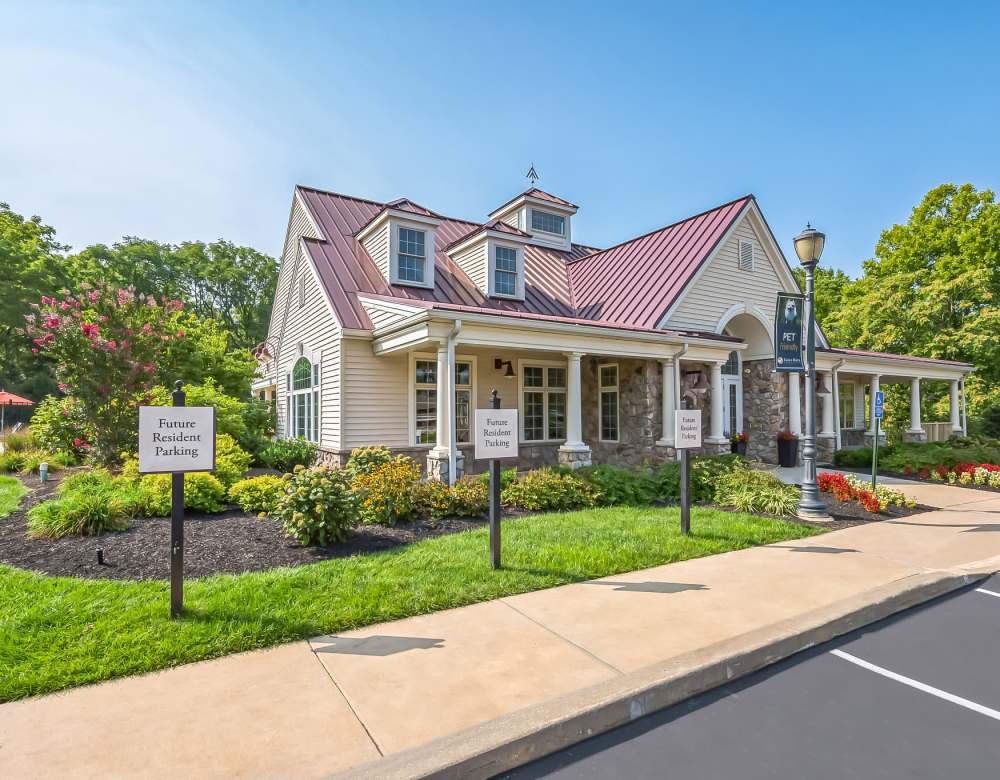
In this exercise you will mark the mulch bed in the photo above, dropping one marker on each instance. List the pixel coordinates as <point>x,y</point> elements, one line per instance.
<point>232,542</point>
<point>235,542</point>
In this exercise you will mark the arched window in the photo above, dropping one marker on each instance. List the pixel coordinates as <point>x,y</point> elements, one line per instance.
<point>302,400</point>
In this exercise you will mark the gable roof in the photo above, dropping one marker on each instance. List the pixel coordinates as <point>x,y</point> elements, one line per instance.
<point>538,194</point>
<point>636,281</point>
<point>629,285</point>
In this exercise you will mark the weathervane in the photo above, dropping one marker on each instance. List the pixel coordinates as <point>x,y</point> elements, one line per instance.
<point>532,175</point>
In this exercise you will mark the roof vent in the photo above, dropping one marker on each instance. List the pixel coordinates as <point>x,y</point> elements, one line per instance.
<point>746,256</point>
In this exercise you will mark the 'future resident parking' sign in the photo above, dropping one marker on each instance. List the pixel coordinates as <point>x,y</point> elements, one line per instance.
<point>496,433</point>
<point>176,439</point>
<point>687,429</point>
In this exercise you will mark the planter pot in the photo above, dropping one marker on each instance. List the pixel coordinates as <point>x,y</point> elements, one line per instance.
<point>738,448</point>
<point>788,451</point>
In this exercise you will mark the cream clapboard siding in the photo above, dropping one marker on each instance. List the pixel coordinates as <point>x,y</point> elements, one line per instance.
<point>376,392</point>
<point>723,284</point>
<point>513,218</point>
<point>473,262</point>
<point>313,329</point>
<point>377,246</point>
<point>312,325</point>
<point>381,316</point>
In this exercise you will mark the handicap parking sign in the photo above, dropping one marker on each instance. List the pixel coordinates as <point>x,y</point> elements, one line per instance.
<point>879,405</point>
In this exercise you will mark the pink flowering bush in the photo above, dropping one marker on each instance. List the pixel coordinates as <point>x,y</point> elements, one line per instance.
<point>105,345</point>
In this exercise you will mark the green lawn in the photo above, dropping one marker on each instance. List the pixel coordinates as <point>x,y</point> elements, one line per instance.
<point>57,632</point>
<point>11,491</point>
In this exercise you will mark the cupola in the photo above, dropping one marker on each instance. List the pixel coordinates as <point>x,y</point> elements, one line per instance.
<point>545,217</point>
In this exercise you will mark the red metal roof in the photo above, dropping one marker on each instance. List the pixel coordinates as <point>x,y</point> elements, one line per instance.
<point>636,282</point>
<point>628,286</point>
<point>9,399</point>
<point>534,192</point>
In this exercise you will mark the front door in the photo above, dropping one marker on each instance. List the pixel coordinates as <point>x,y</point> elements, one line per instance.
<point>732,395</point>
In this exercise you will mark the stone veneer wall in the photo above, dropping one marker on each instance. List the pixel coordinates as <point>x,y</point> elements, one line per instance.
<point>640,412</point>
<point>765,408</point>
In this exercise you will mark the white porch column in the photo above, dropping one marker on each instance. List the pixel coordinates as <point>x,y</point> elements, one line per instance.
<point>794,404</point>
<point>716,435</point>
<point>574,452</point>
<point>858,411</point>
<point>437,458</point>
<point>667,380</point>
<point>873,389</point>
<point>956,421</point>
<point>915,425</point>
<point>965,411</point>
<point>828,429</point>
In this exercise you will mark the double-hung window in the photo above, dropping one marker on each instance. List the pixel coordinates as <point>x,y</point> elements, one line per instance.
<point>845,395</point>
<point>412,255</point>
<point>425,401</point>
<point>543,398</point>
<point>548,222</point>
<point>505,271</point>
<point>302,401</point>
<point>608,410</point>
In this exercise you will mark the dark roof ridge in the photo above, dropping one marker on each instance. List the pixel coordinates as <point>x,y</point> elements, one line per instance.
<point>749,196</point>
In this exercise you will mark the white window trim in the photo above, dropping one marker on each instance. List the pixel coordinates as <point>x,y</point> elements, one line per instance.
<point>314,396</point>
<point>601,389</point>
<point>412,396</point>
<point>429,252</point>
<point>523,363</point>
<point>849,424</point>
<point>565,220</point>
<point>491,255</point>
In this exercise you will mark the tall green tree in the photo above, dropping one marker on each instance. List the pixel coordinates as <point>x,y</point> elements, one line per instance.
<point>933,288</point>
<point>829,284</point>
<point>32,265</point>
<point>232,284</point>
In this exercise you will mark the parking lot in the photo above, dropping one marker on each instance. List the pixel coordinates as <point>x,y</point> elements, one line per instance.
<point>916,696</point>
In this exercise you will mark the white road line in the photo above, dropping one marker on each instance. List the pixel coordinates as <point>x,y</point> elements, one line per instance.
<point>971,705</point>
<point>988,592</point>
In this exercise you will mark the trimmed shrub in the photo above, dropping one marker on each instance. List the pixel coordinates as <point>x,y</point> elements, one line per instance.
<point>468,498</point>
<point>318,506</point>
<point>858,458</point>
<point>258,494</point>
<point>385,490</point>
<point>231,460</point>
<point>202,493</point>
<point>619,485</point>
<point>58,424</point>
<point>286,454</point>
<point>507,477</point>
<point>749,490</point>
<point>547,489</point>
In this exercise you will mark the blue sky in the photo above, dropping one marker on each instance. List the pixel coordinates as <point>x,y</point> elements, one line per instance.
<point>176,121</point>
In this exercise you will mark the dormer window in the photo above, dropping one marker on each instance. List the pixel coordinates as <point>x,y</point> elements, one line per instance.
<point>412,256</point>
<point>548,222</point>
<point>401,241</point>
<point>505,271</point>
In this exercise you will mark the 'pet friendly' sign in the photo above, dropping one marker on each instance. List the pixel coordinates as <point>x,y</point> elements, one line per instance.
<point>176,439</point>
<point>496,433</point>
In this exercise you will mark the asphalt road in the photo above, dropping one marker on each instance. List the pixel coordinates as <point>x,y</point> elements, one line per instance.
<point>915,696</point>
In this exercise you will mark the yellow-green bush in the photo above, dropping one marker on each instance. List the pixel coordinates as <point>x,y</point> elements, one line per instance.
<point>231,460</point>
<point>547,489</point>
<point>202,493</point>
<point>318,506</point>
<point>468,498</point>
<point>258,494</point>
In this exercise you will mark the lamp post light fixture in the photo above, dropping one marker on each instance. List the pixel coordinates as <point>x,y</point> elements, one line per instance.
<point>809,248</point>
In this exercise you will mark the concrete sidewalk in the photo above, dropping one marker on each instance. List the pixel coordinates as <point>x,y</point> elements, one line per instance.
<point>310,709</point>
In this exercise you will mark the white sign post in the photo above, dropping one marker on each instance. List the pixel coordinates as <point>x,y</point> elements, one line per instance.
<point>687,436</point>
<point>174,440</point>
<point>496,438</point>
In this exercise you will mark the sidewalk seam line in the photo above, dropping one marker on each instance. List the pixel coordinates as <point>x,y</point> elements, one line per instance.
<point>554,633</point>
<point>354,712</point>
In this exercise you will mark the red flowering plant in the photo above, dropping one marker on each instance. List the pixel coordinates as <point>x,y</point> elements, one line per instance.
<point>105,345</point>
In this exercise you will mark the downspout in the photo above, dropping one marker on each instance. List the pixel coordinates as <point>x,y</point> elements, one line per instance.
<point>838,423</point>
<point>965,419</point>
<point>453,443</point>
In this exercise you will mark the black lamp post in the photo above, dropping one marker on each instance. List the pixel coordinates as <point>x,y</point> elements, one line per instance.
<point>809,247</point>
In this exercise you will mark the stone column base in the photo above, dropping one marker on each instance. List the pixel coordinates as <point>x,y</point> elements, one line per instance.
<point>915,436</point>
<point>826,445</point>
<point>716,448</point>
<point>437,466</point>
<point>666,450</point>
<point>574,458</point>
<point>870,439</point>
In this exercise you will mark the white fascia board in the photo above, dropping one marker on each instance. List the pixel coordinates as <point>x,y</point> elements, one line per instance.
<point>528,200</point>
<point>397,307</point>
<point>309,214</point>
<point>895,367</point>
<point>304,250</point>
<point>397,214</point>
<point>482,235</point>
